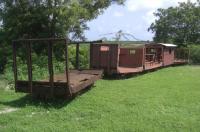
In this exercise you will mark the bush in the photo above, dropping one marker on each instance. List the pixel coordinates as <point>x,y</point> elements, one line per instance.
<point>39,68</point>
<point>40,63</point>
<point>195,54</point>
<point>83,56</point>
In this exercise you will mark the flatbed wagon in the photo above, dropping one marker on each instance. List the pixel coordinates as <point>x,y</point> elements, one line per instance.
<point>79,80</point>
<point>64,84</point>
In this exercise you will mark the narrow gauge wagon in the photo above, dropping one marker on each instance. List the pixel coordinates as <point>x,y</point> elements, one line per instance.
<point>62,85</point>
<point>112,58</point>
<point>116,58</point>
<point>168,54</point>
<point>131,58</point>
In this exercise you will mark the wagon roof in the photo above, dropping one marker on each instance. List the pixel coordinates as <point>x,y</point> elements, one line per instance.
<point>136,44</point>
<point>125,44</point>
<point>168,45</point>
<point>131,45</point>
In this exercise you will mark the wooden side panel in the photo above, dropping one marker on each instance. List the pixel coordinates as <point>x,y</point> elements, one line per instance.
<point>79,81</point>
<point>131,58</point>
<point>77,57</point>
<point>42,88</point>
<point>114,56</point>
<point>104,56</point>
<point>168,56</point>
<point>95,56</point>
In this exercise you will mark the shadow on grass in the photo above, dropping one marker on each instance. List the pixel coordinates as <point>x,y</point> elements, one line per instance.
<point>56,103</point>
<point>28,100</point>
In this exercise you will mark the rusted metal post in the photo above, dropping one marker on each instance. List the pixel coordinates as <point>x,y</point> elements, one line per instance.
<point>50,67</point>
<point>77,57</point>
<point>68,88</point>
<point>91,55</point>
<point>109,52</point>
<point>143,58</point>
<point>144,55</point>
<point>15,64</point>
<point>163,63</point>
<point>29,66</point>
<point>99,64</point>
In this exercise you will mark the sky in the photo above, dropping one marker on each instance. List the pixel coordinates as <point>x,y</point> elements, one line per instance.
<point>134,17</point>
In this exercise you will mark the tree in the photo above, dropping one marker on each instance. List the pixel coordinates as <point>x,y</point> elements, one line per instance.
<point>49,18</point>
<point>180,25</point>
<point>46,18</point>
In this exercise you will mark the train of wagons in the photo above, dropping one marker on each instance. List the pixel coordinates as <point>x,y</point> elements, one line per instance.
<point>133,58</point>
<point>105,57</point>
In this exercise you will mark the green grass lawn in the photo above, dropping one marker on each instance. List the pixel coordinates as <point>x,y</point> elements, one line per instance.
<point>165,100</point>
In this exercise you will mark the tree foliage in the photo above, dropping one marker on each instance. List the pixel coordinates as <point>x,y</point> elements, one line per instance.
<point>46,18</point>
<point>180,25</point>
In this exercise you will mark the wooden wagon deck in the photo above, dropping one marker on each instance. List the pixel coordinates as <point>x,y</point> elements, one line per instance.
<point>125,70</point>
<point>149,66</point>
<point>78,81</point>
<point>180,61</point>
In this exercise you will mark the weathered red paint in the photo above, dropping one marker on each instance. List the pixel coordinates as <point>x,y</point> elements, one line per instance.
<point>116,59</point>
<point>131,57</point>
<point>168,56</point>
<point>104,56</point>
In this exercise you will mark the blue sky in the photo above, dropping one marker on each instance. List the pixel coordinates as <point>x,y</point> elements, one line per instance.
<point>134,17</point>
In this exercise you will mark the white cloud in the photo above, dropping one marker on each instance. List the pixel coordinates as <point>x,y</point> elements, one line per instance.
<point>150,6</point>
<point>118,14</point>
<point>136,5</point>
<point>149,17</point>
<point>100,29</point>
<point>137,17</point>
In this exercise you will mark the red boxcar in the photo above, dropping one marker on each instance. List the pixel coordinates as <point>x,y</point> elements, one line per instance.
<point>114,58</point>
<point>130,58</point>
<point>168,54</point>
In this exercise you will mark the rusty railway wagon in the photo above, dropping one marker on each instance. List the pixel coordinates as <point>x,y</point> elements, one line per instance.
<point>104,57</point>
<point>66,84</point>
<point>132,58</point>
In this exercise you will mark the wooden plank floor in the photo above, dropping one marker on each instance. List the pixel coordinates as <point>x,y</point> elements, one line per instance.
<point>152,66</point>
<point>78,79</point>
<point>180,61</point>
<point>125,70</point>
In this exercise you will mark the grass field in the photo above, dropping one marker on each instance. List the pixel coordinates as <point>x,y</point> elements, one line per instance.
<point>164,100</point>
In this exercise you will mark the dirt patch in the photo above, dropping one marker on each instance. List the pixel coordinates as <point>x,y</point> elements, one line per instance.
<point>8,110</point>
